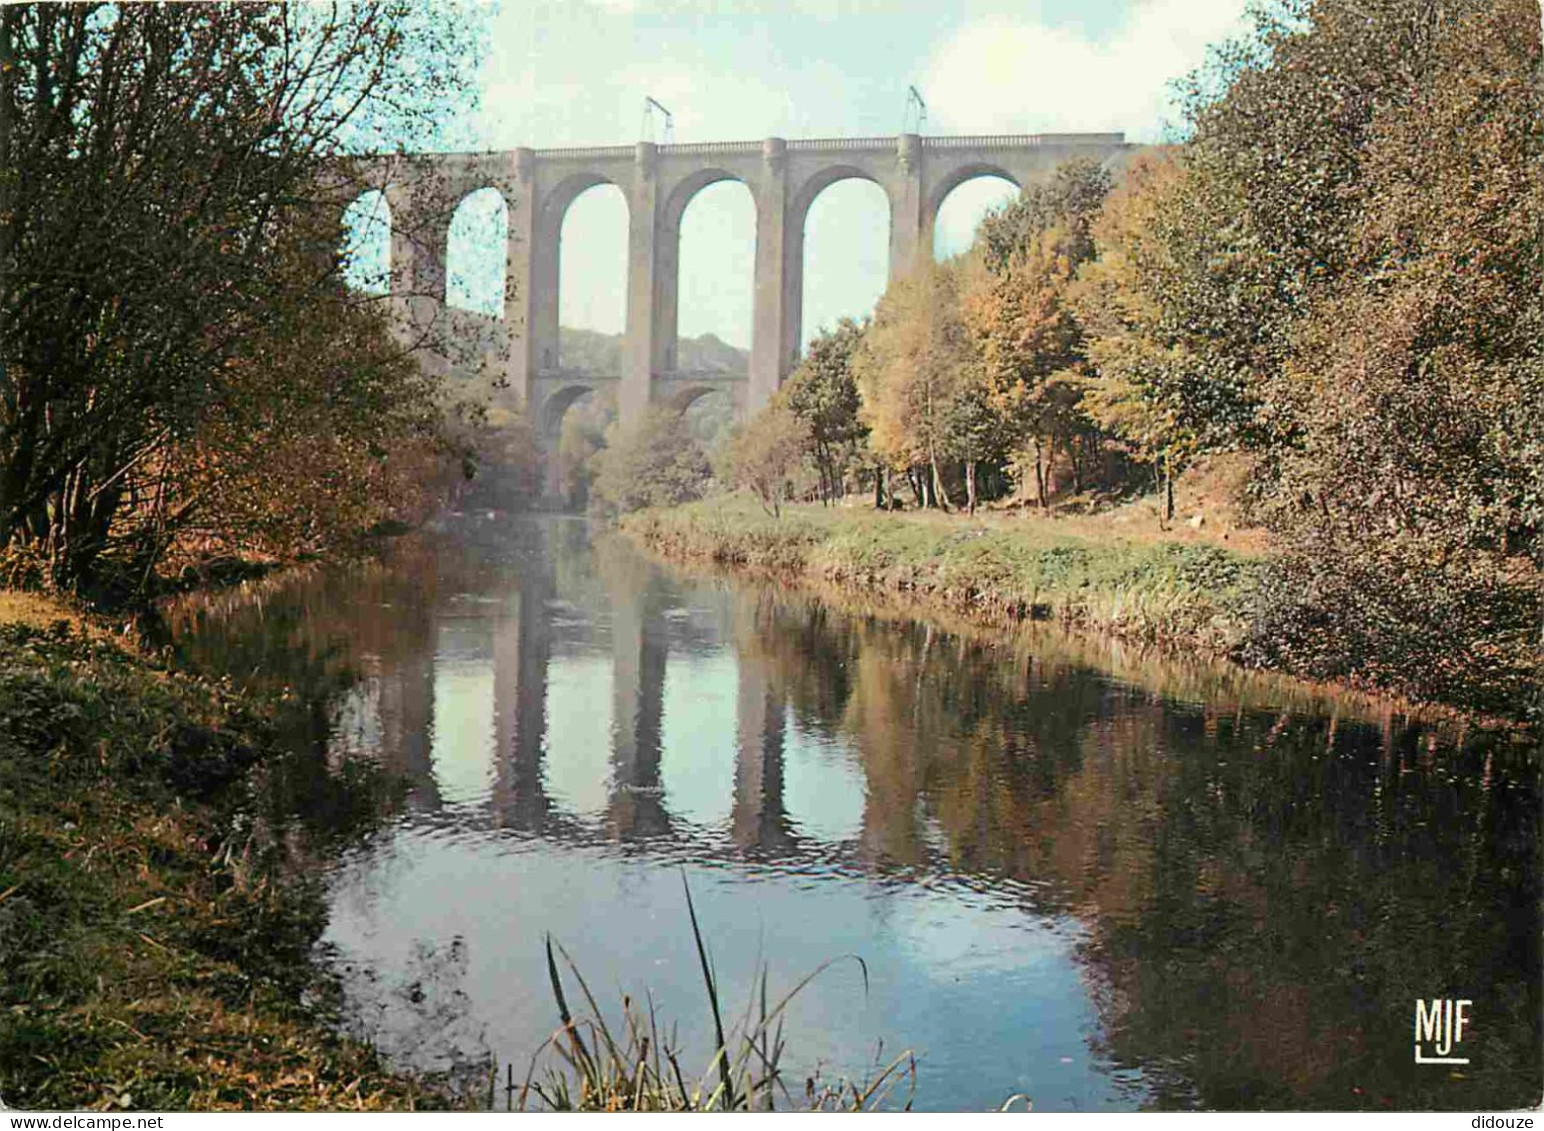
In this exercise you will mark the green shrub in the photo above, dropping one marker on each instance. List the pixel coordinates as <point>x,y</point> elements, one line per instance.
<point>1390,616</point>
<point>654,462</point>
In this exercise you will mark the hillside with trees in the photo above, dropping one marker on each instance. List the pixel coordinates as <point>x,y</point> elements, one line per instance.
<point>592,351</point>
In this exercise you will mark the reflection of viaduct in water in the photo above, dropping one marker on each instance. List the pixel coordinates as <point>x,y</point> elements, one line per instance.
<point>423,193</point>
<point>521,652</point>
<point>759,820</point>
<point>1198,869</point>
<point>406,692</point>
<point>521,655</point>
<point>638,649</point>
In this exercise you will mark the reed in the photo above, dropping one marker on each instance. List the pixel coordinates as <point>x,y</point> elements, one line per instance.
<point>592,1063</point>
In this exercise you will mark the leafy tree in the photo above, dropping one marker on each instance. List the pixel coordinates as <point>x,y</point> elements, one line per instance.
<point>501,460</point>
<point>163,210</point>
<point>1340,273</point>
<point>766,455</point>
<point>1020,318</point>
<point>1069,202</point>
<point>654,462</point>
<point>580,439</point>
<point>336,431</point>
<point>1259,224</point>
<point>1411,488</point>
<point>909,369</point>
<point>975,427</point>
<point>823,393</point>
<point>1140,382</point>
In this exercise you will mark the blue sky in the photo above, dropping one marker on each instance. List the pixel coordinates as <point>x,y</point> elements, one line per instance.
<point>575,72</point>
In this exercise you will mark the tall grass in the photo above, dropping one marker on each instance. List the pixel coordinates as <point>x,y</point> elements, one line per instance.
<point>594,1064</point>
<point>1139,589</point>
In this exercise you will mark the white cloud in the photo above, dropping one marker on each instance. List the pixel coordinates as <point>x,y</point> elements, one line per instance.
<point>1013,75</point>
<point>566,73</point>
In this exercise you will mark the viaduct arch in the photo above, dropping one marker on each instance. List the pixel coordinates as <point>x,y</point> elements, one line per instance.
<point>658,182</point>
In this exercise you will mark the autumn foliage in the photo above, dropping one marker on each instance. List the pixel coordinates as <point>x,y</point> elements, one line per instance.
<point>1337,277</point>
<point>181,366</point>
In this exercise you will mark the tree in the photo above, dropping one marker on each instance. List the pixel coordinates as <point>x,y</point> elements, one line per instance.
<point>909,369</point>
<point>1068,202</point>
<point>975,426</point>
<point>653,462</point>
<point>1258,224</point>
<point>766,455</point>
<point>1410,492</point>
<point>163,209</point>
<point>1018,311</point>
<point>335,431</point>
<point>1341,275</point>
<point>1139,384</point>
<point>501,459</point>
<point>823,393</point>
<point>580,439</point>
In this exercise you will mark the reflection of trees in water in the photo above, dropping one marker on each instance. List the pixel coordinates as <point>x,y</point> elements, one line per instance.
<point>345,654</point>
<point>1268,893</point>
<point>313,631</point>
<point>940,726</point>
<point>1307,889</point>
<point>575,576</point>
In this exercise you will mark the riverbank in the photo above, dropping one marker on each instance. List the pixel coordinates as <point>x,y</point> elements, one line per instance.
<point>156,926</point>
<point>1189,593</point>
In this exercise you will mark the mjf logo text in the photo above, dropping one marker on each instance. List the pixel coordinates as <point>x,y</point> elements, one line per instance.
<point>1439,1028</point>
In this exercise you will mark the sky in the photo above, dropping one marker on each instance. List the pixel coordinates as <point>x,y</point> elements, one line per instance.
<point>576,72</point>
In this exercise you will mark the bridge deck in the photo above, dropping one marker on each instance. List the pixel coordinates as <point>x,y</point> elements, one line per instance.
<point>798,145</point>
<point>704,376</point>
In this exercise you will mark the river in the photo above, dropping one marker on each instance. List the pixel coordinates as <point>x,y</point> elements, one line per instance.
<point>1088,877</point>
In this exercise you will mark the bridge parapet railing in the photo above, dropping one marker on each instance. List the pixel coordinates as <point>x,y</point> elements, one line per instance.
<point>485,161</point>
<point>826,144</point>
<point>695,148</point>
<point>576,375</point>
<point>834,144</point>
<point>624,152</point>
<point>702,375</point>
<point>1021,141</point>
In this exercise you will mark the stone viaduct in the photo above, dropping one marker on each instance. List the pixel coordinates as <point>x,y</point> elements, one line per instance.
<point>658,182</point>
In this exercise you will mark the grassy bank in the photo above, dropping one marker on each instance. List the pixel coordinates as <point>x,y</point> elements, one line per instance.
<point>1182,591</point>
<point>155,934</point>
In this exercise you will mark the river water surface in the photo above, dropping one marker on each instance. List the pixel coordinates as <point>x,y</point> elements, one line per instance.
<point>1076,875</point>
